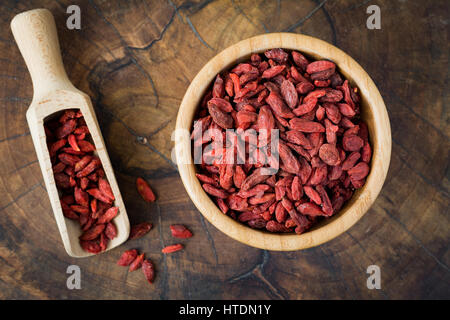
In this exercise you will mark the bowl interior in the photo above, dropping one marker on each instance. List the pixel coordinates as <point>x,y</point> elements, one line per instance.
<point>373,112</point>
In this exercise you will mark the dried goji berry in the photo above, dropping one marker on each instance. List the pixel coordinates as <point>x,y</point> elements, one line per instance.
<point>139,230</point>
<point>180,231</point>
<point>137,263</point>
<point>93,232</point>
<point>149,270</point>
<point>144,190</point>
<point>127,257</point>
<point>110,230</point>
<point>109,214</point>
<point>172,248</point>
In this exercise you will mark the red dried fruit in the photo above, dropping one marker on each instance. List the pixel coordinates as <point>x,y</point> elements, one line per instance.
<point>278,106</point>
<point>94,164</point>
<point>258,223</point>
<point>59,167</point>
<point>68,114</point>
<point>318,176</point>
<point>320,65</point>
<point>137,263</point>
<point>68,159</point>
<point>323,76</point>
<point>220,103</point>
<point>327,208</point>
<point>206,179</point>
<point>352,143</point>
<point>346,110</point>
<point>299,138</point>
<point>261,199</point>
<point>305,125</point>
<point>274,226</point>
<point>62,180</point>
<point>68,212</point>
<point>312,194</point>
<point>289,160</point>
<point>237,203</point>
<point>255,178</point>
<point>359,171</point>
<point>68,199</point>
<point>289,93</point>
<point>300,60</point>
<point>310,209</point>
<point>103,242</point>
<point>172,248</point>
<point>93,232</point>
<point>109,214</point>
<point>81,197</point>
<point>82,163</point>
<point>244,116</point>
<point>144,190</point>
<point>73,142</point>
<point>79,209</point>
<point>127,257</point>
<point>366,152</point>
<point>139,230</point>
<point>280,213</point>
<point>350,161</point>
<point>297,189</point>
<point>105,188</point>
<point>217,192</point>
<point>254,191</point>
<point>221,118</point>
<point>239,176</point>
<point>110,230</point>
<point>66,128</point>
<point>86,146</point>
<point>278,54</point>
<point>180,231</point>
<point>304,87</point>
<point>90,246</point>
<point>97,194</point>
<point>305,108</point>
<point>218,88</point>
<point>56,146</point>
<point>149,270</point>
<point>222,205</point>
<point>329,154</point>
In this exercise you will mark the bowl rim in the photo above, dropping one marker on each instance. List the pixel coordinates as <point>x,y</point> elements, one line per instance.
<point>379,132</point>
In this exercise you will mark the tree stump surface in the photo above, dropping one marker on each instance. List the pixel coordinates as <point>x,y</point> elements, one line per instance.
<point>136,59</point>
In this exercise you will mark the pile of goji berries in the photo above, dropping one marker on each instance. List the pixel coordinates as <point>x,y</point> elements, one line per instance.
<point>324,150</point>
<point>85,193</point>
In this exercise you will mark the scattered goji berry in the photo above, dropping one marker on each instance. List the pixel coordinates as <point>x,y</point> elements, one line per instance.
<point>180,231</point>
<point>172,248</point>
<point>144,190</point>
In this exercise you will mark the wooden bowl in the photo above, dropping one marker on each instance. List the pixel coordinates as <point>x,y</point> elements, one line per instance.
<point>373,111</point>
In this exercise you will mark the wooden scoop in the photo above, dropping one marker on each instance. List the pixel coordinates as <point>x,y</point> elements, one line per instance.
<point>35,34</point>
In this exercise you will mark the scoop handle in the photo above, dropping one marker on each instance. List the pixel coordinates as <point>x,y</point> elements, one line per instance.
<point>35,34</point>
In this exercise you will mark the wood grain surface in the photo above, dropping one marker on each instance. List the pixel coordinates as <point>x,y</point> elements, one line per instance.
<point>136,59</point>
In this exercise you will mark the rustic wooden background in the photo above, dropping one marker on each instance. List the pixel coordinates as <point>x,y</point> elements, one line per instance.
<point>136,59</point>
